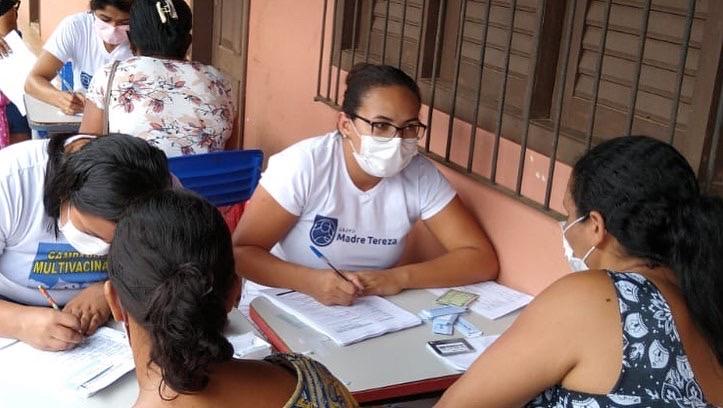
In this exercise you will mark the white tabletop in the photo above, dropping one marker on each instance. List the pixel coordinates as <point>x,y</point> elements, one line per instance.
<point>25,393</point>
<point>45,117</point>
<point>392,365</point>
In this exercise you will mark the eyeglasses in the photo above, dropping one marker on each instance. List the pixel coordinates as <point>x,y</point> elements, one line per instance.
<point>390,131</point>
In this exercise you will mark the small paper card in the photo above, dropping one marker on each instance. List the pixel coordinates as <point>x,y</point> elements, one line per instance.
<point>456,297</point>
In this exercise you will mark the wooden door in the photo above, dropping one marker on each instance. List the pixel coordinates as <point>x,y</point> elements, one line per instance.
<point>229,52</point>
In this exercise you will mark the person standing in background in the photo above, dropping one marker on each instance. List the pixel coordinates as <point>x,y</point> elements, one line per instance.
<point>13,125</point>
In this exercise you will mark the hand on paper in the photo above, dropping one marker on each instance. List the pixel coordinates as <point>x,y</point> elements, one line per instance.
<point>90,307</point>
<point>71,103</point>
<point>379,283</point>
<point>48,329</point>
<point>330,289</point>
<point>5,49</point>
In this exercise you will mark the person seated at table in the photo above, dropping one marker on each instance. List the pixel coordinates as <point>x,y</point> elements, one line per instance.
<point>182,107</point>
<point>13,125</point>
<point>172,284</point>
<point>60,200</point>
<point>355,193</point>
<point>89,40</point>
<point>644,326</point>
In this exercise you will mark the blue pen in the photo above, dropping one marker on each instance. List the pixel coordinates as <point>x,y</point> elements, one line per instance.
<point>323,258</point>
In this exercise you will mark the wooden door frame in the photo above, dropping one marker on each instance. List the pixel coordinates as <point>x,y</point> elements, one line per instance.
<point>203,46</point>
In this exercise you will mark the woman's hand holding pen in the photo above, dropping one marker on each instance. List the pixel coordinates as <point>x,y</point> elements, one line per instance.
<point>47,329</point>
<point>70,103</point>
<point>329,288</point>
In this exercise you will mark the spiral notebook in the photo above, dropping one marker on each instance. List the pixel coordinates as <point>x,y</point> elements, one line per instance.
<point>368,317</point>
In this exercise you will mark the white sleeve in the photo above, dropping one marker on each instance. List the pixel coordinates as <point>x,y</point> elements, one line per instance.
<point>61,43</point>
<point>435,192</point>
<point>96,90</point>
<point>288,178</point>
<point>7,217</point>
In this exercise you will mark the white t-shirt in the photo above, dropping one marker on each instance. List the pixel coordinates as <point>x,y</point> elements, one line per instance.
<point>75,40</point>
<point>354,229</point>
<point>30,253</point>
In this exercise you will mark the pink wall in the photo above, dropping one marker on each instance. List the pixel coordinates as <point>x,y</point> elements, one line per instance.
<point>282,75</point>
<point>53,11</point>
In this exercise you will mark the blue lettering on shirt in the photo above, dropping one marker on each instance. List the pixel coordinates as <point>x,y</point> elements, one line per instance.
<point>60,266</point>
<point>323,230</point>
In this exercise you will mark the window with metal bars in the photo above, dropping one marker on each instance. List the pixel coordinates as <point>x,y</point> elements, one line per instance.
<point>552,76</point>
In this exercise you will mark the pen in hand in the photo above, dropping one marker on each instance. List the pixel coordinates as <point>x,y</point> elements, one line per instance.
<point>323,258</point>
<point>47,297</point>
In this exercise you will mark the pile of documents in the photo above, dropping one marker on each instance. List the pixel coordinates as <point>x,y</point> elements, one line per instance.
<point>368,317</point>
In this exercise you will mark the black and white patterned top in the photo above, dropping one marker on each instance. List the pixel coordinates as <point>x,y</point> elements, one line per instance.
<point>655,369</point>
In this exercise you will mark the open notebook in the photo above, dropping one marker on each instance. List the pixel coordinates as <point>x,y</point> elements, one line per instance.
<point>91,366</point>
<point>368,317</point>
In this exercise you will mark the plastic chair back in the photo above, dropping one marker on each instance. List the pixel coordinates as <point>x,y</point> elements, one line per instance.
<point>222,178</point>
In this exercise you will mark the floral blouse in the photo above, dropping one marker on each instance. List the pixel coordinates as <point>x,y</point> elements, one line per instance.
<point>181,107</point>
<point>655,369</point>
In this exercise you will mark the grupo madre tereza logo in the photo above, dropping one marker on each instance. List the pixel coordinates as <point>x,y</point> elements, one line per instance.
<point>323,231</point>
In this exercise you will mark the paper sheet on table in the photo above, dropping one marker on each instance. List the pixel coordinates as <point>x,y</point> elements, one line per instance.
<point>86,369</point>
<point>249,346</point>
<point>462,362</point>
<point>494,300</point>
<point>5,342</point>
<point>14,69</point>
<point>368,317</point>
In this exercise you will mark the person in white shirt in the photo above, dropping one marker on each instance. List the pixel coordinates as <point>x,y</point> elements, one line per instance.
<point>61,199</point>
<point>354,194</point>
<point>89,40</point>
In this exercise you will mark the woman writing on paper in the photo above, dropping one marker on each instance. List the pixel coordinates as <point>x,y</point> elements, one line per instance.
<point>354,194</point>
<point>643,326</point>
<point>172,284</point>
<point>89,40</point>
<point>60,200</point>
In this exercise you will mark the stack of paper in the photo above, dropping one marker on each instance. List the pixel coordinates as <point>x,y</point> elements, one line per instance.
<point>462,362</point>
<point>368,317</point>
<point>494,300</point>
<point>91,366</point>
<point>14,69</point>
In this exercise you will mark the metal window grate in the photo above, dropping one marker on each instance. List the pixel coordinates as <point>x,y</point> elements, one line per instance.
<point>552,77</point>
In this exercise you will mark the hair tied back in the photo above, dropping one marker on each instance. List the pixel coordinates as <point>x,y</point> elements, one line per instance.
<point>165,11</point>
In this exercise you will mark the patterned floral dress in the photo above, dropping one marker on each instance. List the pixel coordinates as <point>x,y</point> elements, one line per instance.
<point>655,369</point>
<point>181,107</point>
<point>316,387</point>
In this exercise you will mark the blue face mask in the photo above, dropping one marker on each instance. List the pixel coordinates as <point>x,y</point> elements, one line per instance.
<point>576,264</point>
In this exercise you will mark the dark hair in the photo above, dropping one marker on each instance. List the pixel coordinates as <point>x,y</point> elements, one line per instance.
<point>6,5</point>
<point>648,196</point>
<point>364,77</point>
<point>122,5</point>
<point>104,177</point>
<point>172,264</point>
<point>149,36</point>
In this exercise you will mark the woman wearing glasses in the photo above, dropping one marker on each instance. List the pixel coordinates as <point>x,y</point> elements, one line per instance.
<point>355,194</point>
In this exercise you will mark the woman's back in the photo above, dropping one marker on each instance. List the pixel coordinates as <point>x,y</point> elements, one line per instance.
<point>181,107</point>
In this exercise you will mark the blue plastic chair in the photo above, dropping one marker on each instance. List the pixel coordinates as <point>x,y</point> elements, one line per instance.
<point>222,178</point>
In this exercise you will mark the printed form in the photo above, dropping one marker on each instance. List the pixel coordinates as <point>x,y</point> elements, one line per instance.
<point>91,366</point>
<point>368,317</point>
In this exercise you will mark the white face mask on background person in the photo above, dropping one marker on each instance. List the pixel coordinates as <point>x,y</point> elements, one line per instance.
<point>382,156</point>
<point>576,264</point>
<point>113,35</point>
<point>82,242</point>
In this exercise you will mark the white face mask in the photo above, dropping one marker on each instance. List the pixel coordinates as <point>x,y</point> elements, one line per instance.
<point>84,243</point>
<point>576,264</point>
<point>382,157</point>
